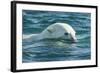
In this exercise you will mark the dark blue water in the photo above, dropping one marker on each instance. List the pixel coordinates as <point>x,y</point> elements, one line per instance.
<point>35,22</point>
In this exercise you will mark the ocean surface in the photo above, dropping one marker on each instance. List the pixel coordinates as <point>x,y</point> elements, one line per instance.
<point>34,22</point>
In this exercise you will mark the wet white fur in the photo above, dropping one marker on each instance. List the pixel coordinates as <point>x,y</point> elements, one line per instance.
<point>56,30</point>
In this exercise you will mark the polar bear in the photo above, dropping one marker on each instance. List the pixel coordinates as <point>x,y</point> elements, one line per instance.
<point>56,31</point>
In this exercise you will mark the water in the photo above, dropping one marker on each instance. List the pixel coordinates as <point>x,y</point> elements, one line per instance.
<point>35,22</point>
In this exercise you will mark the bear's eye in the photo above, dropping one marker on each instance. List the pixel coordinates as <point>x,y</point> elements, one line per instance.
<point>65,33</point>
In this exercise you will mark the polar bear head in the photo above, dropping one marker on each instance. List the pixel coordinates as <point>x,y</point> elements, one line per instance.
<point>59,30</point>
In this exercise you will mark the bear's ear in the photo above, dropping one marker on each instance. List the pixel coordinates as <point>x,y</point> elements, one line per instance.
<point>50,30</point>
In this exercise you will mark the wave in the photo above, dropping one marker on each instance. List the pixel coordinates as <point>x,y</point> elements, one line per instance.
<point>55,49</point>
